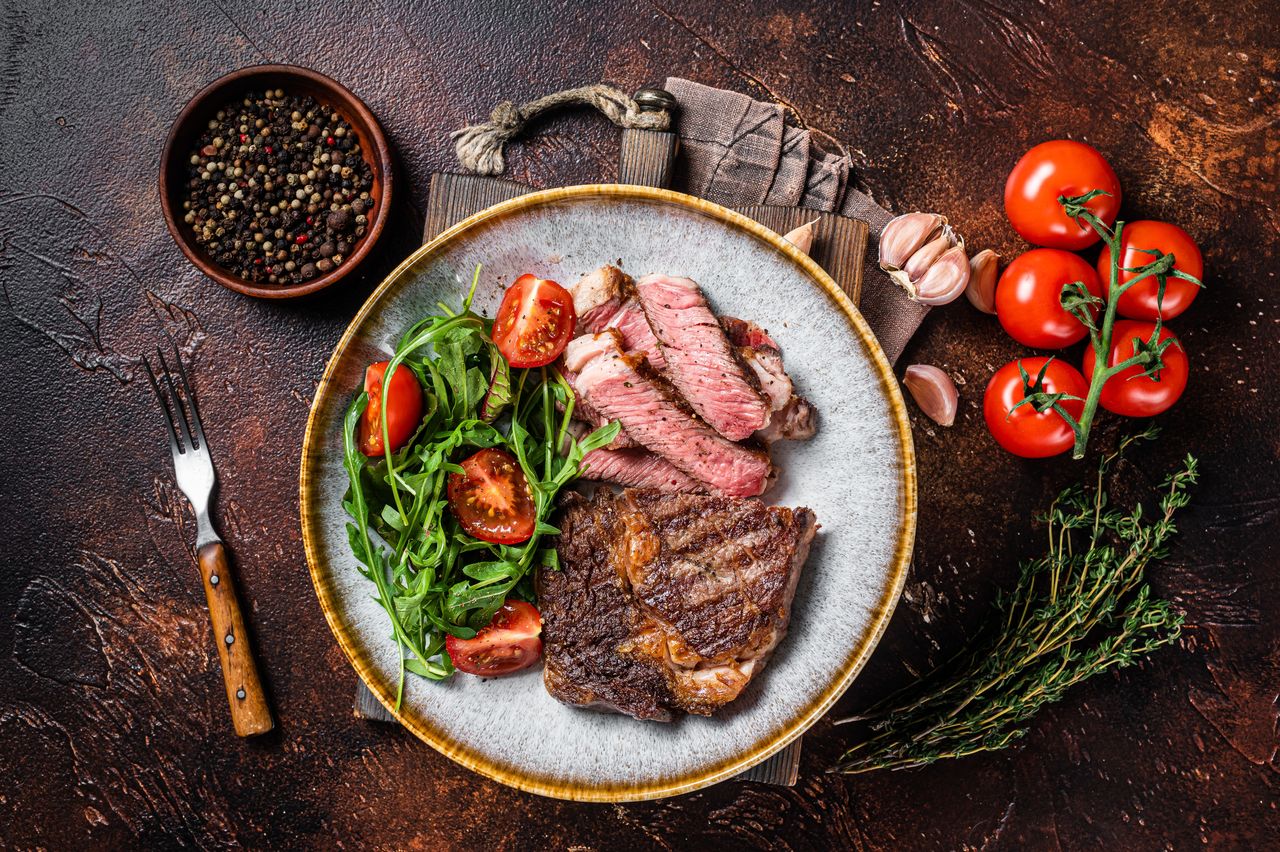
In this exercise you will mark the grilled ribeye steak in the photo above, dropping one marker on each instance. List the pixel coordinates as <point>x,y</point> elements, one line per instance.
<point>701,361</point>
<point>667,602</point>
<point>624,387</point>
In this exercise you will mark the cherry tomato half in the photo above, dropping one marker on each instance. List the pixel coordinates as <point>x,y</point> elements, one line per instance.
<point>491,499</point>
<point>1026,432</point>
<point>1059,168</point>
<point>535,322</point>
<point>404,408</point>
<point>1139,302</point>
<point>511,642</point>
<point>1029,297</point>
<point>1129,392</point>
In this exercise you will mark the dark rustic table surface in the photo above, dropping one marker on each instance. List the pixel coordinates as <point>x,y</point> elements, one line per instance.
<point>113,723</point>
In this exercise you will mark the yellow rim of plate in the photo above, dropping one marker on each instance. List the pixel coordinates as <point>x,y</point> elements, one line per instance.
<point>657,788</point>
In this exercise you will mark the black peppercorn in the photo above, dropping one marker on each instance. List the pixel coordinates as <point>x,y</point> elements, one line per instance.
<point>277,190</point>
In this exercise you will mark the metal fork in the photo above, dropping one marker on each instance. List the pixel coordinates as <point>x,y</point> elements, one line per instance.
<point>193,469</point>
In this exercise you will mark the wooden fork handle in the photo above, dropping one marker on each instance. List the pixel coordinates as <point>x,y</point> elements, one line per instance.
<point>249,711</point>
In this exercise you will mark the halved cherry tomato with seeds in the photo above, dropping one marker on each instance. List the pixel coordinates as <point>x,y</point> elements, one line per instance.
<point>404,408</point>
<point>511,642</point>
<point>491,498</point>
<point>535,322</point>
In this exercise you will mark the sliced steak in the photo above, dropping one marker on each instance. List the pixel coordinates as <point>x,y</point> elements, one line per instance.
<point>694,589</point>
<point>625,388</point>
<point>795,421</point>
<point>793,417</point>
<point>638,468</point>
<point>701,362</point>
<point>606,298</point>
<point>746,333</point>
<point>585,412</point>
<point>633,467</point>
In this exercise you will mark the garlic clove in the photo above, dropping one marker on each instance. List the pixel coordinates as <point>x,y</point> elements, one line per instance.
<point>946,279</point>
<point>984,268</point>
<point>802,237</point>
<point>904,236</point>
<point>934,392</point>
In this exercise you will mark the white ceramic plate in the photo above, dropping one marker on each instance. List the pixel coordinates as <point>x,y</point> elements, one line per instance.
<point>857,474</point>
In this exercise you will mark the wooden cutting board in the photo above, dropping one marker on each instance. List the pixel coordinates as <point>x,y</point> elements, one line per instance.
<point>647,158</point>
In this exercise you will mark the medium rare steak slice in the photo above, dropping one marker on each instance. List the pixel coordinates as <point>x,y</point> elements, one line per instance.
<point>638,468</point>
<point>634,467</point>
<point>585,412</point>
<point>793,417</point>
<point>701,362</point>
<point>606,298</point>
<point>694,589</point>
<point>625,388</point>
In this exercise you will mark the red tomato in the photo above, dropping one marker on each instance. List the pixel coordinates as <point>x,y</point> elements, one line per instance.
<point>404,408</point>
<point>1026,432</point>
<point>491,499</point>
<point>535,322</point>
<point>1050,170</point>
<point>1129,392</point>
<point>1028,298</point>
<point>509,643</point>
<point>1139,302</point>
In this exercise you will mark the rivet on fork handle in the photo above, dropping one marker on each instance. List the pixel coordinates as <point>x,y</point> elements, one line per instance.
<point>249,711</point>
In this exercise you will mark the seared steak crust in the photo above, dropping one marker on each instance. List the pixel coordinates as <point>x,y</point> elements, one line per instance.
<point>667,602</point>
<point>587,613</point>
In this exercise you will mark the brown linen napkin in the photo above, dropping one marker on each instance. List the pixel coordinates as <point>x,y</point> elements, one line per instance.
<point>735,151</point>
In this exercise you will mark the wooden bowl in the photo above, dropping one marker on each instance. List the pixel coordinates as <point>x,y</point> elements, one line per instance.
<point>194,119</point>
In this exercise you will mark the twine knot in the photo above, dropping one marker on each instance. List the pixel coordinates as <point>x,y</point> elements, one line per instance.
<point>480,147</point>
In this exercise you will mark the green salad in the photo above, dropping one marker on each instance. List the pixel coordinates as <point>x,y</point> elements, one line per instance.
<point>435,578</point>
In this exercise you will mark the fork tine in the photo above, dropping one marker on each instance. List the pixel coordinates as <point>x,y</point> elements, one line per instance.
<point>177,402</point>
<point>164,405</point>
<point>190,394</point>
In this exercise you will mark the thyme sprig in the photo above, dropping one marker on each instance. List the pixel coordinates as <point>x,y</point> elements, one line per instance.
<point>1079,610</point>
<point>1080,303</point>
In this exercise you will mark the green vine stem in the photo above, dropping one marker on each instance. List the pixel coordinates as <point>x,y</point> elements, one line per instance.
<point>1080,303</point>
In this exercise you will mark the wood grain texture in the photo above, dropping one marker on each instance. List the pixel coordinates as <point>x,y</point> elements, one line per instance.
<point>249,711</point>
<point>112,720</point>
<point>647,157</point>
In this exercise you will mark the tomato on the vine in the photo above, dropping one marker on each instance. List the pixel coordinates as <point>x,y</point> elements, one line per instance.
<point>1129,392</point>
<point>1059,168</point>
<point>404,408</point>
<point>1139,301</point>
<point>1026,432</point>
<point>491,498</point>
<point>1029,298</point>
<point>509,643</point>
<point>535,322</point>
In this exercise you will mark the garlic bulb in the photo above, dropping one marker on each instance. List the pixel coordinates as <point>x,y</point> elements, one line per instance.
<point>983,274</point>
<point>904,235</point>
<point>922,253</point>
<point>934,392</point>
